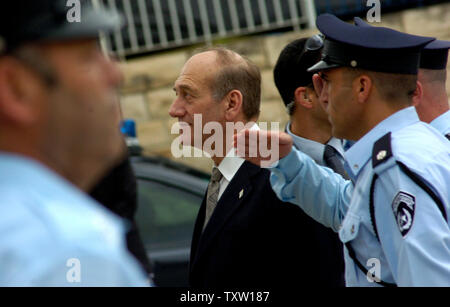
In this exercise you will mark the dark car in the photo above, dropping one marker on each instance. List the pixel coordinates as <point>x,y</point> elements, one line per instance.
<point>169,197</point>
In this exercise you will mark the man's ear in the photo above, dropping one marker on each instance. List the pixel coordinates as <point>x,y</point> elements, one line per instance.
<point>19,90</point>
<point>233,105</point>
<point>318,84</point>
<point>362,86</point>
<point>301,96</point>
<point>418,94</point>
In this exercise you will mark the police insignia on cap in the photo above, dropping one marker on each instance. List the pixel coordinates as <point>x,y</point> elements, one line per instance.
<point>404,205</point>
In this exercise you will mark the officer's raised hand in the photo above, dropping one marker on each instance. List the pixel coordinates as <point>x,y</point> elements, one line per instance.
<point>262,147</point>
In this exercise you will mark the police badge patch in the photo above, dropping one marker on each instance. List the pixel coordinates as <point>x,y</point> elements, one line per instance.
<point>403,206</point>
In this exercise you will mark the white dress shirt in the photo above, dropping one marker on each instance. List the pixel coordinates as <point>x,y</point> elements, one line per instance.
<point>230,166</point>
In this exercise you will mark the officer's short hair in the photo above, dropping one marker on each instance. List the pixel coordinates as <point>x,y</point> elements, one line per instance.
<point>290,71</point>
<point>237,72</point>
<point>434,76</point>
<point>34,58</point>
<point>393,88</point>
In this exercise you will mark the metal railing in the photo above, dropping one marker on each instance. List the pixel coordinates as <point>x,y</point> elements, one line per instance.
<point>358,7</point>
<point>153,25</point>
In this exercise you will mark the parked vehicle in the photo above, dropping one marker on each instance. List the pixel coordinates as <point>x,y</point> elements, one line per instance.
<point>169,197</point>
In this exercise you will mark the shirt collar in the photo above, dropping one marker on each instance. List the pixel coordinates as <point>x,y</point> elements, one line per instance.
<point>312,148</point>
<point>442,123</point>
<point>18,168</point>
<point>360,153</point>
<point>232,162</point>
<point>337,144</point>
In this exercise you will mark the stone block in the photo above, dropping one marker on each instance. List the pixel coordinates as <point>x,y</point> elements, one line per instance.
<point>392,21</point>
<point>154,135</point>
<point>160,70</point>
<point>159,102</point>
<point>275,43</point>
<point>428,21</point>
<point>134,106</point>
<point>274,111</point>
<point>268,88</point>
<point>252,48</point>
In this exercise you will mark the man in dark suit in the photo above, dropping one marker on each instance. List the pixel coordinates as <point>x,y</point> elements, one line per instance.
<point>310,130</point>
<point>244,235</point>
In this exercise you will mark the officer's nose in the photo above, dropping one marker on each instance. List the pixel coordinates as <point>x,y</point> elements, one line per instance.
<point>177,109</point>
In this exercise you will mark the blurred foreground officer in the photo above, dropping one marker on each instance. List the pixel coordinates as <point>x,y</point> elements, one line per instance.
<point>394,220</point>
<point>432,104</point>
<point>117,191</point>
<point>59,134</point>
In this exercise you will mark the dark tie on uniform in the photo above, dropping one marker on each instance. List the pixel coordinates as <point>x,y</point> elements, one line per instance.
<point>448,136</point>
<point>331,159</point>
<point>212,194</point>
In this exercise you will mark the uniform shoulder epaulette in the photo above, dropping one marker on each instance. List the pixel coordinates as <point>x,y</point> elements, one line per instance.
<point>382,159</point>
<point>382,150</point>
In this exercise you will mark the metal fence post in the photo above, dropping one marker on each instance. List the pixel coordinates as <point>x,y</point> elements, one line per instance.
<point>310,11</point>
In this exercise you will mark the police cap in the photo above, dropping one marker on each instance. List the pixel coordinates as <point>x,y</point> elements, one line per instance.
<point>371,48</point>
<point>23,21</point>
<point>433,56</point>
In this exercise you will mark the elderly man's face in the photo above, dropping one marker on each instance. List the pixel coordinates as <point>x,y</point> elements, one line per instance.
<point>195,96</point>
<point>84,111</point>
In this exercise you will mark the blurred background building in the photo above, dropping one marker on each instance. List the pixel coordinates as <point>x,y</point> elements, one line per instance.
<point>160,35</point>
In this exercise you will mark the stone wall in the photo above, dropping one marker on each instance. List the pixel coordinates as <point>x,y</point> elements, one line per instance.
<point>147,93</point>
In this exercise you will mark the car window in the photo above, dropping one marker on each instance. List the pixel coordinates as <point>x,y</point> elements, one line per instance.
<point>166,215</point>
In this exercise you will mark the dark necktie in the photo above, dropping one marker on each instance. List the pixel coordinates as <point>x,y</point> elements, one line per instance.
<point>212,194</point>
<point>331,158</point>
<point>448,136</point>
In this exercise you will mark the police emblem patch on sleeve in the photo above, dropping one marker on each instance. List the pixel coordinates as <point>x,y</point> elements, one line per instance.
<point>404,205</point>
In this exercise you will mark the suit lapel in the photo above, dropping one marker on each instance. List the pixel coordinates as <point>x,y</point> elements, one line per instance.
<point>198,230</point>
<point>229,203</point>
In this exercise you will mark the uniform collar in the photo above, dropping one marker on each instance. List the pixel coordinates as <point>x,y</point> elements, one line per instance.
<point>442,123</point>
<point>312,148</point>
<point>15,168</point>
<point>360,153</point>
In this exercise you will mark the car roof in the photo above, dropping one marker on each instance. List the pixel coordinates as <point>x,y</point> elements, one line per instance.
<point>164,170</point>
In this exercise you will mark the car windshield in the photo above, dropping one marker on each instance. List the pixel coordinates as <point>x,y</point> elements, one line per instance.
<point>166,215</point>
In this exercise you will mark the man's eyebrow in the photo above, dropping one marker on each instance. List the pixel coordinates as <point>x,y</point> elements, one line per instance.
<point>184,87</point>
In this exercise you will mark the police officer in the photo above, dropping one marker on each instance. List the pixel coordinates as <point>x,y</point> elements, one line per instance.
<point>59,134</point>
<point>394,219</point>
<point>311,132</point>
<point>432,105</point>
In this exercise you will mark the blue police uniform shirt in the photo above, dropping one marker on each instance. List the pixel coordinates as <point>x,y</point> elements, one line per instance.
<point>315,149</point>
<point>55,235</point>
<point>412,251</point>
<point>442,123</point>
